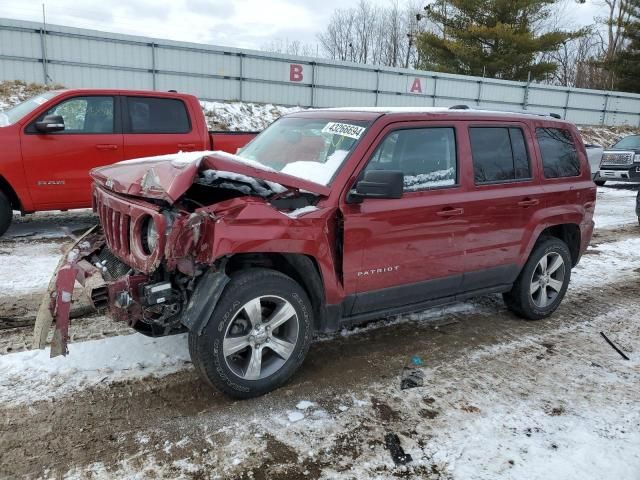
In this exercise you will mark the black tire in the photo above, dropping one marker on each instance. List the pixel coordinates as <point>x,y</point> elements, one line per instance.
<point>600,183</point>
<point>521,301</point>
<point>6,213</point>
<point>206,350</point>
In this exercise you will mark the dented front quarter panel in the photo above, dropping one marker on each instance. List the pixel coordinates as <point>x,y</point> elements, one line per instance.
<point>252,225</point>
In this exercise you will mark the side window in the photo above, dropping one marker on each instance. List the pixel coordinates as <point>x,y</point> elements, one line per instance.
<point>559,154</point>
<point>499,154</point>
<point>426,156</point>
<point>157,115</point>
<point>86,115</point>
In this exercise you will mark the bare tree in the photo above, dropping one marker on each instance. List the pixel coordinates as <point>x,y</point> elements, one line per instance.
<point>372,34</point>
<point>295,47</point>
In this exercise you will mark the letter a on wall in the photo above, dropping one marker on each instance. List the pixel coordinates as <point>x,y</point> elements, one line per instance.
<point>416,85</point>
<point>296,72</point>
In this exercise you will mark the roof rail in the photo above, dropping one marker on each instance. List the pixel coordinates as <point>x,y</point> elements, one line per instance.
<point>524,112</point>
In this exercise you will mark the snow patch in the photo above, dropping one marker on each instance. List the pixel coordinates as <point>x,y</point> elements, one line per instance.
<point>26,377</point>
<point>178,159</point>
<point>316,172</point>
<point>295,416</point>
<point>301,211</point>
<point>305,404</point>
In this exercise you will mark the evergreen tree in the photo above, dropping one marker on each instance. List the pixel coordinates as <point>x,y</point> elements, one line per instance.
<point>495,38</point>
<point>626,65</point>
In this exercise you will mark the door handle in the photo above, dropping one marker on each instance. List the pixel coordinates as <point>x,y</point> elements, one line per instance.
<point>187,146</point>
<point>528,202</point>
<point>104,146</point>
<point>450,212</point>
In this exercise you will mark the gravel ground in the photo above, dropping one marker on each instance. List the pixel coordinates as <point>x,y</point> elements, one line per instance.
<point>502,398</point>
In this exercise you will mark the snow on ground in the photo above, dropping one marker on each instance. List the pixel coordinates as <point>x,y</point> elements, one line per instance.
<point>566,407</point>
<point>29,376</point>
<point>241,115</point>
<point>25,268</point>
<point>615,206</point>
<point>606,136</point>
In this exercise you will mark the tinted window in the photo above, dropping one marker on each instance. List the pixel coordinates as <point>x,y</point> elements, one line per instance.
<point>157,115</point>
<point>426,156</point>
<point>559,155</point>
<point>85,115</point>
<point>632,142</point>
<point>499,154</point>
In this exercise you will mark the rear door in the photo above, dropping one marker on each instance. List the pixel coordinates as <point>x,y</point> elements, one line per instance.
<point>158,126</point>
<point>57,164</point>
<point>403,251</point>
<point>503,198</point>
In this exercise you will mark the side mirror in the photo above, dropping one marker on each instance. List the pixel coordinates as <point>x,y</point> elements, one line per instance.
<point>50,123</point>
<point>378,184</point>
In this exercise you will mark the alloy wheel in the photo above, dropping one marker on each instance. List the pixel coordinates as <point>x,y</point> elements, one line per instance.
<point>261,337</point>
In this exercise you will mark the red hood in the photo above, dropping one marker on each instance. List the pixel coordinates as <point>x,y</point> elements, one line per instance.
<point>169,176</point>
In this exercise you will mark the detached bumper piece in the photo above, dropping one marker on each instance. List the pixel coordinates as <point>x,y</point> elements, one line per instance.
<point>56,303</point>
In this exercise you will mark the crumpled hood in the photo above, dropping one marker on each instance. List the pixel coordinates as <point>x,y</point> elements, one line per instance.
<point>168,177</point>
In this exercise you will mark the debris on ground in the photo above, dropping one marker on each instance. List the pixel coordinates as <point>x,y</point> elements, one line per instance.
<point>613,345</point>
<point>411,378</point>
<point>399,456</point>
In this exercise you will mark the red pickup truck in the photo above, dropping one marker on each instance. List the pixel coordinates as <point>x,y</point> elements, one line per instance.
<point>50,142</point>
<point>331,218</point>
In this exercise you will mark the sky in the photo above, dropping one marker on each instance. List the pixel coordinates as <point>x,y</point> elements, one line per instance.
<point>235,23</point>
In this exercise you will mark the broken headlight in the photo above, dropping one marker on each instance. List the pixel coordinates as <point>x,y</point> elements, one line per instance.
<point>149,235</point>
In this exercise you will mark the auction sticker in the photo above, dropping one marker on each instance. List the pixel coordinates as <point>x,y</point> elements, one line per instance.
<point>344,129</point>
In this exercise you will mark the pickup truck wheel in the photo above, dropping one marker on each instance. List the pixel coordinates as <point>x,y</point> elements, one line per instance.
<point>600,183</point>
<point>6,213</point>
<point>543,282</point>
<point>257,336</point>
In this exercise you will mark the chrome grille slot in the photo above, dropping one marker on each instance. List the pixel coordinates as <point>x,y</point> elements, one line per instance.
<point>623,158</point>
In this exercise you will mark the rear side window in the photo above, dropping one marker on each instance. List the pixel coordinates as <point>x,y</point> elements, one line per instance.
<point>426,157</point>
<point>499,154</point>
<point>559,154</point>
<point>157,115</point>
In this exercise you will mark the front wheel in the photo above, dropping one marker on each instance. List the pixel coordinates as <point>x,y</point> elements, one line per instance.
<point>257,336</point>
<point>543,282</point>
<point>6,213</point>
<point>600,183</point>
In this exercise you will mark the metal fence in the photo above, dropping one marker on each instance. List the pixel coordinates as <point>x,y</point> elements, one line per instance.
<point>87,58</point>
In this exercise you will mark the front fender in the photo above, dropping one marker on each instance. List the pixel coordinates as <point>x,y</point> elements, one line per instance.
<point>204,300</point>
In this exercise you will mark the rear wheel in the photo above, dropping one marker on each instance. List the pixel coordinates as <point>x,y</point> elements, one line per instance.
<point>257,336</point>
<point>543,282</point>
<point>600,183</point>
<point>6,213</point>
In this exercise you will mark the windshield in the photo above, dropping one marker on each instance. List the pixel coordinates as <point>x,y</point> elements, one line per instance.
<point>311,149</point>
<point>11,116</point>
<point>632,141</point>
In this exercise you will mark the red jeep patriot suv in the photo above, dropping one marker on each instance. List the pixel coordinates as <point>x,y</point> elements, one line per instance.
<point>330,218</point>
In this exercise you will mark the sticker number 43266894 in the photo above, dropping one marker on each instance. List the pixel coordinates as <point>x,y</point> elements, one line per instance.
<point>344,129</point>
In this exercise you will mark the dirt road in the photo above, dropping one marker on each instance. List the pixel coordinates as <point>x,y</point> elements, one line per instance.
<point>502,398</point>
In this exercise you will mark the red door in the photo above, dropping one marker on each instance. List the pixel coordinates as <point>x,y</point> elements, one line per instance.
<point>57,164</point>
<point>407,250</point>
<point>503,197</point>
<point>158,126</point>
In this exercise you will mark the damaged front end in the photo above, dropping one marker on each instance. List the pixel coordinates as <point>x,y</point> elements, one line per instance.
<point>155,259</point>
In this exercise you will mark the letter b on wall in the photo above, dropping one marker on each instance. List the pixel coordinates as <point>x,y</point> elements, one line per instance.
<point>296,72</point>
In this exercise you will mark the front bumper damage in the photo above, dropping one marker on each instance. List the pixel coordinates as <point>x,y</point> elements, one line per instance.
<point>56,303</point>
<point>83,263</point>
